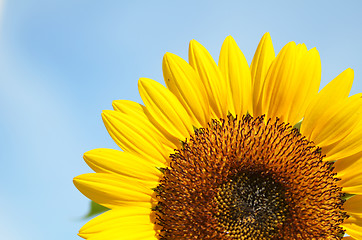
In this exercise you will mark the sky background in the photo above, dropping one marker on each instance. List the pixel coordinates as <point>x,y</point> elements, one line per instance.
<point>63,62</point>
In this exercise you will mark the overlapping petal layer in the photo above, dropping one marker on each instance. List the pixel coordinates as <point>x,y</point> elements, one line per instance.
<point>236,73</point>
<point>263,58</point>
<point>127,164</point>
<point>291,82</point>
<point>115,191</point>
<point>138,112</point>
<point>125,223</point>
<point>165,111</point>
<point>215,85</point>
<point>131,136</point>
<point>183,81</point>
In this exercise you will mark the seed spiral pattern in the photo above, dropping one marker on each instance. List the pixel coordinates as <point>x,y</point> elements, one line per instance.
<point>251,205</point>
<point>249,178</point>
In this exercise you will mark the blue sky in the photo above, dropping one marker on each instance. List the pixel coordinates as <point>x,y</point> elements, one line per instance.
<point>63,62</point>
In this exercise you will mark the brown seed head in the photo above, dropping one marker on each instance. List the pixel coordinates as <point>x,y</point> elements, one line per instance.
<point>249,179</point>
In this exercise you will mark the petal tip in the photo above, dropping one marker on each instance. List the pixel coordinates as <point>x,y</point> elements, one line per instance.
<point>77,181</point>
<point>194,44</point>
<point>229,38</point>
<point>350,70</point>
<point>266,36</point>
<point>106,114</point>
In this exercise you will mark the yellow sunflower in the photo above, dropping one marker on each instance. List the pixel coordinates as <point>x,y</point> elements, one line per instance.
<point>228,151</point>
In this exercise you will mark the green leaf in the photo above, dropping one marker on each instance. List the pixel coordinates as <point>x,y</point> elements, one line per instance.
<point>95,209</point>
<point>347,196</point>
<point>297,125</point>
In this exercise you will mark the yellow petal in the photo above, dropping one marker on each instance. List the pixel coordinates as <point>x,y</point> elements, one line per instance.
<point>215,85</point>
<point>114,218</point>
<point>334,92</point>
<point>348,156</point>
<point>126,232</point>
<point>352,189</point>
<point>349,167</point>
<point>104,160</point>
<point>348,146</point>
<point>164,110</point>
<point>263,57</point>
<point>120,223</point>
<point>305,84</point>
<point>236,72</point>
<point>138,112</point>
<point>353,205</point>
<point>114,191</point>
<point>278,76</point>
<point>353,227</point>
<point>292,80</point>
<point>352,184</point>
<point>335,123</point>
<point>128,107</point>
<point>182,80</point>
<point>131,135</point>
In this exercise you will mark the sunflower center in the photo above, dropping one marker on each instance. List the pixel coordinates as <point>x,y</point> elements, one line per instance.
<point>248,179</point>
<point>251,204</point>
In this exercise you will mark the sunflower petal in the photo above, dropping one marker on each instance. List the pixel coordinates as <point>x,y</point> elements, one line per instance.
<point>280,73</point>
<point>126,232</point>
<point>349,167</point>
<point>348,146</point>
<point>182,80</point>
<point>352,189</point>
<point>335,123</point>
<point>263,57</point>
<point>235,69</point>
<point>215,85</point>
<point>352,184</point>
<point>305,85</point>
<point>164,110</point>
<point>334,92</point>
<point>138,112</point>
<point>130,135</point>
<point>104,160</point>
<point>353,227</point>
<point>122,223</point>
<point>129,234</point>
<point>114,191</point>
<point>353,205</point>
<point>128,107</point>
<point>293,78</point>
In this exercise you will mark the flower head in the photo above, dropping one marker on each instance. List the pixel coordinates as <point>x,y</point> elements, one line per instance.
<point>228,151</point>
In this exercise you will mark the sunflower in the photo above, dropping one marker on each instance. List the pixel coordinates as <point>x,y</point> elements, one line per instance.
<point>228,151</point>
